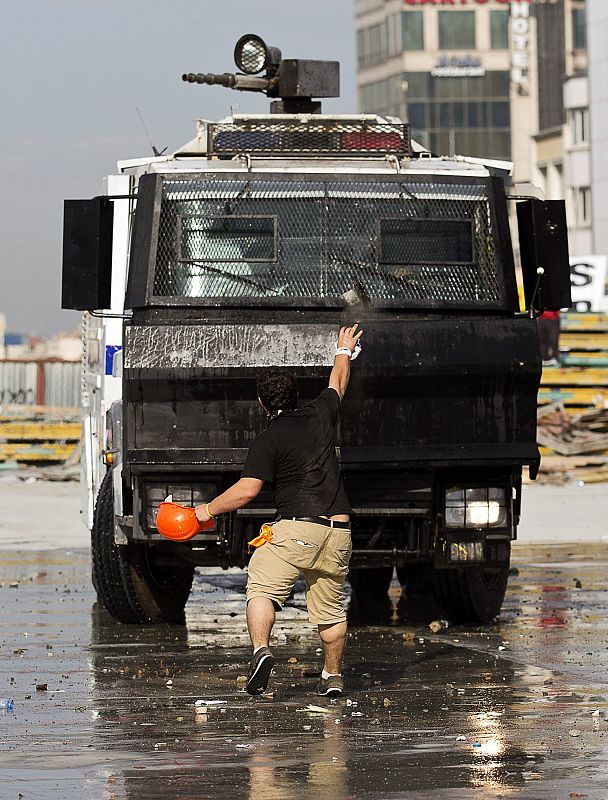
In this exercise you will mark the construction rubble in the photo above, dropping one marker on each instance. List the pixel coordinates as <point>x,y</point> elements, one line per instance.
<point>573,404</point>
<point>575,446</point>
<point>40,441</point>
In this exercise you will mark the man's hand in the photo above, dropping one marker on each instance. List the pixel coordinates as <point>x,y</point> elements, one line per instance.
<point>348,338</point>
<point>202,514</point>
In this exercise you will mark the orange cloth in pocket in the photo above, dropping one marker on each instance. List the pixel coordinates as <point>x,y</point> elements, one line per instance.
<point>264,536</point>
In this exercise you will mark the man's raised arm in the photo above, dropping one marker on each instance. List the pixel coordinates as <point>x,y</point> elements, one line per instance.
<point>348,338</point>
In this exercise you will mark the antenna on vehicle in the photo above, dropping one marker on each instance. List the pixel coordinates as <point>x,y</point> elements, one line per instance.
<point>143,124</point>
<point>531,313</point>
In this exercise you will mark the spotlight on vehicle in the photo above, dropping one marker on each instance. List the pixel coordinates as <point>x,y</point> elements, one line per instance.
<point>251,54</point>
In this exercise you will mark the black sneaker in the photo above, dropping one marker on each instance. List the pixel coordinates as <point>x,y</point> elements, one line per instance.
<point>260,669</point>
<point>330,687</point>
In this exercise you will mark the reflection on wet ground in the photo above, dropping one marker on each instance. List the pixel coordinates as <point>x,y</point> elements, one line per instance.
<point>518,708</point>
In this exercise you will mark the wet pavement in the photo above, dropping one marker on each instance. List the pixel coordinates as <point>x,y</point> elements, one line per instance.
<point>518,708</point>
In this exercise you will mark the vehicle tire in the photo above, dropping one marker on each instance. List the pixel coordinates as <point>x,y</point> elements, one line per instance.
<point>471,595</point>
<point>369,590</point>
<point>128,581</point>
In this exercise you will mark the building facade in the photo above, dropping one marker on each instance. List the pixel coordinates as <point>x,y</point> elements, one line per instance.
<point>598,130</point>
<point>489,78</point>
<point>562,165</point>
<point>460,74</point>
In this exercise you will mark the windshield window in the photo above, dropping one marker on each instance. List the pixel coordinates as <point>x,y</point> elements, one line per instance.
<point>404,240</point>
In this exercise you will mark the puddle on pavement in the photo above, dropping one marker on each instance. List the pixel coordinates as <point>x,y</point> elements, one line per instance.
<point>491,709</point>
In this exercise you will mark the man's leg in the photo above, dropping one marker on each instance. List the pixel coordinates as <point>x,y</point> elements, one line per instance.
<point>325,598</point>
<point>270,581</point>
<point>333,638</point>
<point>260,619</point>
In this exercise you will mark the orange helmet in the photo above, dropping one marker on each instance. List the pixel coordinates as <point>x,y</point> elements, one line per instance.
<point>179,523</point>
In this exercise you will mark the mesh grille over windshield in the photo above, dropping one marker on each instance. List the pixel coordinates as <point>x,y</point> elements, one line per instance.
<point>411,240</point>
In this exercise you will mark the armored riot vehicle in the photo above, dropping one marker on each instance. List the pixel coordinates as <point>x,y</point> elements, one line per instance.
<point>247,248</point>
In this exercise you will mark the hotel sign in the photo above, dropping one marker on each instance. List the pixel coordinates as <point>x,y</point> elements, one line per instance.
<point>468,67</point>
<point>588,280</point>
<point>520,46</point>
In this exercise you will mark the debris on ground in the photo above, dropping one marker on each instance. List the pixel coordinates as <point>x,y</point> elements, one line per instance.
<point>205,703</point>
<point>575,438</point>
<point>574,732</point>
<point>42,687</point>
<point>316,710</point>
<point>438,625</point>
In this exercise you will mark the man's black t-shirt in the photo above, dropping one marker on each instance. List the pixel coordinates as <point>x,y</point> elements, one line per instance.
<point>297,455</point>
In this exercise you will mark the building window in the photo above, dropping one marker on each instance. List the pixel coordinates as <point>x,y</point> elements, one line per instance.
<point>499,30</point>
<point>393,35</point>
<point>361,48</point>
<point>371,45</point>
<point>374,44</point>
<point>457,30</point>
<point>385,98</point>
<point>582,205</point>
<point>468,116</point>
<point>412,30</point>
<point>579,29</point>
<point>579,125</point>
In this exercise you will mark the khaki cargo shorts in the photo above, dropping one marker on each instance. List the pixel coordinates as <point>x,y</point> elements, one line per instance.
<point>319,553</point>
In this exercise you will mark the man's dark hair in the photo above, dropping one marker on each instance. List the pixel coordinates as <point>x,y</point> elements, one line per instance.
<point>278,390</point>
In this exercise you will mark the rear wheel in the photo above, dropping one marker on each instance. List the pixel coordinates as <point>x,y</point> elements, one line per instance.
<point>129,581</point>
<point>474,594</point>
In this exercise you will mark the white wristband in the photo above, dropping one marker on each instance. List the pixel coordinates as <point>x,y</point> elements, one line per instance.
<point>345,351</point>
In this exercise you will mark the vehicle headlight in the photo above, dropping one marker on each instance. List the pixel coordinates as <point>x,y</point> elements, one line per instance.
<point>476,508</point>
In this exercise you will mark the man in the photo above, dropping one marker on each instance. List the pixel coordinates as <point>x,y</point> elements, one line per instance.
<point>548,334</point>
<point>311,536</point>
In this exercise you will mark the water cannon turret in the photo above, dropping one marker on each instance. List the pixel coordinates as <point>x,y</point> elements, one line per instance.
<point>295,81</point>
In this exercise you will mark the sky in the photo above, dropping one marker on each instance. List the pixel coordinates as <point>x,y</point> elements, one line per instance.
<point>73,74</point>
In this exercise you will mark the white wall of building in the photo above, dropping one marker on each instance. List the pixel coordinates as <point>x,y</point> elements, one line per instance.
<point>577,165</point>
<point>597,30</point>
<point>2,332</point>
